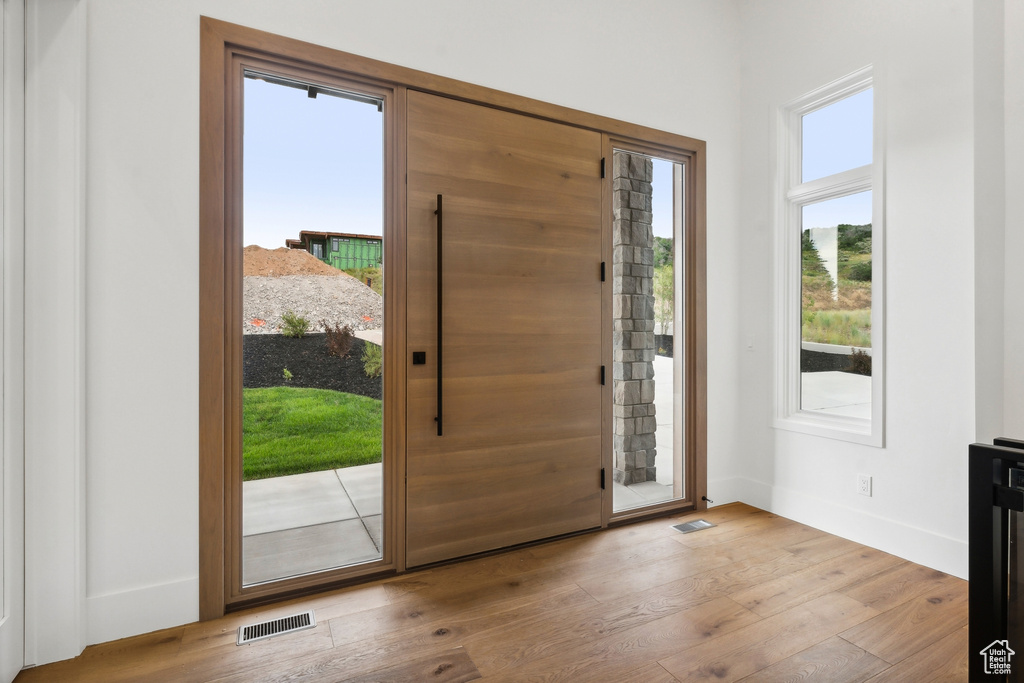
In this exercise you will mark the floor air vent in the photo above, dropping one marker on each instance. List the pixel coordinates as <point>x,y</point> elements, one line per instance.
<point>275,627</point>
<point>695,525</point>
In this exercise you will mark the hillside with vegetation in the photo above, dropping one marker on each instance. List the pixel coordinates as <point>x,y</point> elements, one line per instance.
<point>843,319</point>
<point>664,290</point>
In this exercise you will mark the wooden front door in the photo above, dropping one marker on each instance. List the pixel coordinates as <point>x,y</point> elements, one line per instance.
<point>519,456</point>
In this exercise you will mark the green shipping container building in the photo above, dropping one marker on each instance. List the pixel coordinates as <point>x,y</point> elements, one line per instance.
<point>341,250</point>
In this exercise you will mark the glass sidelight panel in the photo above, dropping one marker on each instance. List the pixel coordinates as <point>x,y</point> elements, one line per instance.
<point>647,322</point>
<point>312,327</point>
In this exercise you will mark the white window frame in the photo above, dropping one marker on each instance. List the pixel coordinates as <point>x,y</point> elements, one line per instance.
<point>791,196</point>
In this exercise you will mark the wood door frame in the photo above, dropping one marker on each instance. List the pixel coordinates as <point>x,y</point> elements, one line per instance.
<point>694,312</point>
<point>223,66</point>
<point>223,46</point>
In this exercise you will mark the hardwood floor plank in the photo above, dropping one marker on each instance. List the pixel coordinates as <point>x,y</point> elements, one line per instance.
<point>787,537</point>
<point>833,660</point>
<point>945,661</point>
<point>628,604</point>
<point>716,582</point>
<point>652,673</point>
<point>533,639</point>
<point>477,582</point>
<point>529,639</point>
<point>208,664</point>
<point>822,547</point>
<point>717,515</point>
<point>466,627</point>
<point>609,658</point>
<point>224,631</point>
<point>763,643</point>
<point>897,585</point>
<point>605,586</point>
<point>129,659</point>
<point>429,616</point>
<point>902,631</point>
<point>588,553</point>
<point>735,529</point>
<point>422,636</point>
<point>833,574</point>
<point>69,670</point>
<point>452,665</point>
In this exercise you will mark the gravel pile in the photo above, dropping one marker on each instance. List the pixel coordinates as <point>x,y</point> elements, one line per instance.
<point>342,300</point>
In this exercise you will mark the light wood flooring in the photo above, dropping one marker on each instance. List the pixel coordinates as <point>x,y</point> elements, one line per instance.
<point>756,598</point>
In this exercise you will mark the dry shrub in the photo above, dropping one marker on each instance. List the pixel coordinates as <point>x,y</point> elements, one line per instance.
<point>339,339</point>
<point>860,363</point>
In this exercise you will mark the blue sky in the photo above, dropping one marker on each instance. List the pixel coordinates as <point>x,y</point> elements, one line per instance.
<point>317,164</point>
<point>309,164</point>
<point>661,198</point>
<point>838,137</point>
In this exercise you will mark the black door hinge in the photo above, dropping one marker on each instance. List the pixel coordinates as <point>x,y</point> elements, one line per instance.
<point>602,477</point>
<point>602,167</point>
<point>602,375</point>
<point>602,271</point>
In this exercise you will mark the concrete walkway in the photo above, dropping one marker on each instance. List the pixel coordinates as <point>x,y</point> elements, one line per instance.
<point>836,393</point>
<point>310,522</point>
<point>376,336</point>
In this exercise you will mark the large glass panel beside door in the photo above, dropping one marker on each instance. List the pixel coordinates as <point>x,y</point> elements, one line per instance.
<point>312,308</point>
<point>647,330</point>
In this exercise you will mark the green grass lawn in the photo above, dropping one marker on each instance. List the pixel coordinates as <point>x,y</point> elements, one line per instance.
<point>288,430</point>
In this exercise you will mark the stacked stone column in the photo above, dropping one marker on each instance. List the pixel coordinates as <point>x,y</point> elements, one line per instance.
<point>633,319</point>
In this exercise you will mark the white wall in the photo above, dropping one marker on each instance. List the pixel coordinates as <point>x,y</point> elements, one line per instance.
<point>923,54</point>
<point>1013,300</point>
<point>54,329</point>
<point>670,65</point>
<point>989,218</point>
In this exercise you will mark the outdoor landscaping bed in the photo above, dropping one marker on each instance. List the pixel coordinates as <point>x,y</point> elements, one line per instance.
<point>265,357</point>
<point>817,361</point>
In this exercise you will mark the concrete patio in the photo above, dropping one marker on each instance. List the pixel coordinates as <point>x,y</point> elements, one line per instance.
<point>836,393</point>
<point>310,522</point>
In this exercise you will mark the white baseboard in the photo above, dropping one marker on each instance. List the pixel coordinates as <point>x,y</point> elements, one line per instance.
<point>903,540</point>
<point>725,491</point>
<point>130,613</point>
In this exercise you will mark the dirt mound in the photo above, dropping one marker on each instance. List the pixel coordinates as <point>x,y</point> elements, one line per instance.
<point>283,261</point>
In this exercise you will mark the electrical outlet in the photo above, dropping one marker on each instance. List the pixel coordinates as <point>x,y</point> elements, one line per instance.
<point>864,484</point>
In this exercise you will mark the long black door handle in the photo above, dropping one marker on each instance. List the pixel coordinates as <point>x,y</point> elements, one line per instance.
<point>440,317</point>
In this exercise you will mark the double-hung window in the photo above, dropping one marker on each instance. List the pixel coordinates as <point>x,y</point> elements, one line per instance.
<point>829,295</point>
